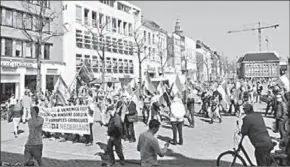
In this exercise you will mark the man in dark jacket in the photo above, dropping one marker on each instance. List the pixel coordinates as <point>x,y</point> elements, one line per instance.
<point>15,116</point>
<point>254,127</point>
<point>190,107</point>
<point>115,134</point>
<point>131,117</point>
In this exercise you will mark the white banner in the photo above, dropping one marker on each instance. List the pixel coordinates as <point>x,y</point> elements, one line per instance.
<point>68,119</point>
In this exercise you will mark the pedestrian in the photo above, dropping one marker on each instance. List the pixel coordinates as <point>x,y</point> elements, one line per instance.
<point>130,119</point>
<point>177,118</point>
<point>190,107</point>
<point>115,136</point>
<point>91,111</point>
<point>281,116</point>
<point>27,104</point>
<point>34,146</point>
<point>15,116</point>
<point>148,145</point>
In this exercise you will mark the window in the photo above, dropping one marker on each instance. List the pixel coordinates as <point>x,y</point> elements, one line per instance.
<point>28,49</point>
<point>120,26</point>
<point>7,17</point>
<point>101,18</point>
<point>94,19</point>
<point>126,47</point>
<point>37,23</point>
<point>79,14</point>
<point>153,54</point>
<point>46,51</point>
<point>125,28</point>
<point>79,39</point>
<point>130,29</point>
<point>153,38</point>
<point>115,65</point>
<point>130,48</point>
<point>120,46</point>
<point>86,16</point>
<point>149,38</point>
<point>149,52</point>
<point>115,45</point>
<point>17,17</point>
<point>144,36</point>
<point>27,21</point>
<point>108,65</point>
<point>95,64</point>
<point>87,40</point>
<point>126,66</point>
<point>18,49</point>
<point>95,42</point>
<point>46,27</point>
<point>79,61</point>
<point>8,47</point>
<point>109,43</point>
<point>46,3</point>
<point>131,67</point>
<point>120,66</point>
<point>114,22</point>
<point>108,25</point>
<point>37,50</point>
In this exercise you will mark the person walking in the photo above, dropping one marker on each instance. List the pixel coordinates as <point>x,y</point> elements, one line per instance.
<point>190,107</point>
<point>27,104</point>
<point>148,145</point>
<point>34,146</point>
<point>15,116</point>
<point>91,111</point>
<point>130,118</point>
<point>177,118</point>
<point>115,137</point>
<point>280,116</point>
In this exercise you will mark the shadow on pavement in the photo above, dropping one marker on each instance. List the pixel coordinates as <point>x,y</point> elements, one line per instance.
<point>177,160</point>
<point>166,126</point>
<point>164,138</point>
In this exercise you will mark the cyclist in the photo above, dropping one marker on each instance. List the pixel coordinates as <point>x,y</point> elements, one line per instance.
<point>254,127</point>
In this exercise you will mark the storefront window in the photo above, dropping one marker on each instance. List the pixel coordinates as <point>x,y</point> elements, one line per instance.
<point>30,82</point>
<point>46,51</point>
<point>28,49</point>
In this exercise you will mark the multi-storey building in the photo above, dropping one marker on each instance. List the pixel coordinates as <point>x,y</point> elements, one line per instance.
<point>155,48</point>
<point>258,65</point>
<point>204,62</point>
<point>18,51</point>
<point>190,58</point>
<point>177,48</point>
<point>98,23</point>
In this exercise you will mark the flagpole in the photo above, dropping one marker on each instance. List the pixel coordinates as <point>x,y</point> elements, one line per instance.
<point>77,74</point>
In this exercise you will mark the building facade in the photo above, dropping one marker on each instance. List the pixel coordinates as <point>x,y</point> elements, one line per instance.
<point>190,58</point>
<point>155,48</point>
<point>18,51</point>
<point>93,25</point>
<point>258,65</point>
<point>204,61</point>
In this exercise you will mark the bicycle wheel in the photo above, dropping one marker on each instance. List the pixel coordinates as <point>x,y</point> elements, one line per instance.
<point>227,158</point>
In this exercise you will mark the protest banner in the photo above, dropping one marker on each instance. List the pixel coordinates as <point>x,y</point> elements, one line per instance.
<point>67,119</point>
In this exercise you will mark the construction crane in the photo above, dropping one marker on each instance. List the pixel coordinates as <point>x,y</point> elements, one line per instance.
<point>259,32</point>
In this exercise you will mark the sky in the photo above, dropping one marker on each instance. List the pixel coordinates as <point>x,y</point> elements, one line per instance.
<point>209,21</point>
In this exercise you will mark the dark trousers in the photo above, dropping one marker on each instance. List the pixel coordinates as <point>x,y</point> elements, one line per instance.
<point>145,114</point>
<point>191,116</point>
<point>33,152</point>
<point>117,143</point>
<point>280,127</point>
<point>90,138</point>
<point>263,156</point>
<point>130,130</point>
<point>268,108</point>
<point>233,104</point>
<point>177,126</point>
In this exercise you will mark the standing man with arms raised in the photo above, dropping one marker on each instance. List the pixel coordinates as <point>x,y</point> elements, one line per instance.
<point>34,146</point>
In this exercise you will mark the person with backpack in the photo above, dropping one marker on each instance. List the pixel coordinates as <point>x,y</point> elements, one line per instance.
<point>115,136</point>
<point>16,113</point>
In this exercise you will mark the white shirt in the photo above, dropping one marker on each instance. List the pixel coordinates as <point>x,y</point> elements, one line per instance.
<point>177,111</point>
<point>13,101</point>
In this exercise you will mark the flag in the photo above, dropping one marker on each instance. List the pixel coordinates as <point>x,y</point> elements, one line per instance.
<point>130,90</point>
<point>148,85</point>
<point>177,87</point>
<point>85,73</point>
<point>284,81</point>
<point>61,90</point>
<point>161,90</point>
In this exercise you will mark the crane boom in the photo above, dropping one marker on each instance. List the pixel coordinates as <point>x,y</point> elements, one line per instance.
<point>259,32</point>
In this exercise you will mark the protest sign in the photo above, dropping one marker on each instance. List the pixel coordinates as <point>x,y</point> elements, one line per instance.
<point>68,119</point>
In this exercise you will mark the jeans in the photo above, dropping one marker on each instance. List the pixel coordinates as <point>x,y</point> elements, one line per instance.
<point>177,126</point>
<point>191,116</point>
<point>269,104</point>
<point>33,151</point>
<point>16,122</point>
<point>263,156</point>
<point>115,141</point>
<point>90,138</point>
<point>130,132</point>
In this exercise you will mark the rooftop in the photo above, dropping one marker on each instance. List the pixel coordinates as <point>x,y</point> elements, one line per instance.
<point>264,56</point>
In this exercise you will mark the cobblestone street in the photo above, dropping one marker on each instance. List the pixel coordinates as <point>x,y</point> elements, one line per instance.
<point>202,145</point>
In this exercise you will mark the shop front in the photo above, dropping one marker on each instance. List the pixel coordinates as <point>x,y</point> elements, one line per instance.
<point>18,74</point>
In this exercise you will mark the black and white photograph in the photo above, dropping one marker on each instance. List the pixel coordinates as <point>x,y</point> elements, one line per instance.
<point>144,83</point>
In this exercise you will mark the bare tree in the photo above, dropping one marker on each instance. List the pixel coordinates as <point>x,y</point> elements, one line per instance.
<point>36,26</point>
<point>161,50</point>
<point>139,45</point>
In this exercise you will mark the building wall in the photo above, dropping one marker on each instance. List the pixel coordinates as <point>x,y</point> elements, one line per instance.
<point>260,69</point>
<point>18,52</point>
<point>76,52</point>
<point>190,54</point>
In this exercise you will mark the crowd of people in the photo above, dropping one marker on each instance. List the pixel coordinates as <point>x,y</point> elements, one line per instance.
<point>118,110</point>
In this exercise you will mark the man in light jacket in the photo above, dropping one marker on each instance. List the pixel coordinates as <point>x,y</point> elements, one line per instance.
<point>27,104</point>
<point>177,118</point>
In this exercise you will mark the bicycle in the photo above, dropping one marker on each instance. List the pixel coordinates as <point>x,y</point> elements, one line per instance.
<point>238,160</point>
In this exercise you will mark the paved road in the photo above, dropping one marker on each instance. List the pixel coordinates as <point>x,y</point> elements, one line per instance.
<point>202,145</point>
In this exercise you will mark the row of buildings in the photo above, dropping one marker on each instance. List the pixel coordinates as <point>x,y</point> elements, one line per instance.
<point>76,32</point>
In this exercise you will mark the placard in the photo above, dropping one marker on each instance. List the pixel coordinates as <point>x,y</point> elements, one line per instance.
<point>68,119</point>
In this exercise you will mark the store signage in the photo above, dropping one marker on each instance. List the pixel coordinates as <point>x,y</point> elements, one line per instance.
<point>17,64</point>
